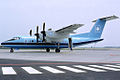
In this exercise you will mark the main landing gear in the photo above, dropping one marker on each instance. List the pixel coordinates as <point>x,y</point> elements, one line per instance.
<point>11,50</point>
<point>57,50</point>
<point>48,50</point>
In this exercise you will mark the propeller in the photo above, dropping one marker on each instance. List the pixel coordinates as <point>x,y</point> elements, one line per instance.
<point>30,32</point>
<point>70,43</point>
<point>43,32</point>
<point>37,34</point>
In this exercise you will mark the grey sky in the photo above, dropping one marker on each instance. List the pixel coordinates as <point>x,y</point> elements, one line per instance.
<point>17,17</point>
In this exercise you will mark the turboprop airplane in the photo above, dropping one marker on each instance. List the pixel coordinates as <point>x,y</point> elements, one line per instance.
<point>58,39</point>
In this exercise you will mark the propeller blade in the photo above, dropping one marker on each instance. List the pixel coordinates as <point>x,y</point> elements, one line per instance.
<point>43,32</point>
<point>37,29</point>
<point>37,34</point>
<point>44,26</point>
<point>70,43</point>
<point>30,32</point>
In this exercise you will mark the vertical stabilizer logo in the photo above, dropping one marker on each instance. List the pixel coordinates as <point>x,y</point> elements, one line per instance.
<point>97,29</point>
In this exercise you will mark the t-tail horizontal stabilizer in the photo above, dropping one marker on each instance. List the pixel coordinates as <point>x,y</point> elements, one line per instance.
<point>107,18</point>
<point>97,29</point>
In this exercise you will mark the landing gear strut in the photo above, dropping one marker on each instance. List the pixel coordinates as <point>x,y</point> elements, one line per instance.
<point>48,50</point>
<point>57,50</point>
<point>11,50</point>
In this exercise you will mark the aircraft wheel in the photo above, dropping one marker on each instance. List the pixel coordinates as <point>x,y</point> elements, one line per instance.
<point>57,50</point>
<point>48,50</point>
<point>11,50</point>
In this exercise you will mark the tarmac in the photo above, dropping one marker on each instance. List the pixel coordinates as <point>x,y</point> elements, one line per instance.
<point>79,64</point>
<point>88,55</point>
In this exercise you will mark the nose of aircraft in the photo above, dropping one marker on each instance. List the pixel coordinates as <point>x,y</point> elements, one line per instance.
<point>3,43</point>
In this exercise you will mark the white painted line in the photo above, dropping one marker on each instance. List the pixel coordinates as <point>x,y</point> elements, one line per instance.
<point>89,68</point>
<point>52,70</point>
<point>103,67</point>
<point>113,66</point>
<point>72,69</point>
<point>31,70</point>
<point>8,71</point>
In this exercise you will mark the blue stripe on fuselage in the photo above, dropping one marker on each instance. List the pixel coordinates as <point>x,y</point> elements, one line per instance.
<point>38,45</point>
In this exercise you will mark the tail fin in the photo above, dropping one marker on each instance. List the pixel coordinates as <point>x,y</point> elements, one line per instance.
<point>97,29</point>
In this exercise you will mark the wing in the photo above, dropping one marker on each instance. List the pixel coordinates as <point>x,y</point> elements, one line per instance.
<point>60,34</point>
<point>69,29</point>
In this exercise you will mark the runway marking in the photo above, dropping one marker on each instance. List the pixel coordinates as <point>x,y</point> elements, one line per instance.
<point>50,69</point>
<point>8,71</point>
<point>75,69</point>
<point>103,67</point>
<point>113,66</point>
<point>31,70</point>
<point>89,68</point>
<point>58,63</point>
<point>35,64</point>
<point>71,69</point>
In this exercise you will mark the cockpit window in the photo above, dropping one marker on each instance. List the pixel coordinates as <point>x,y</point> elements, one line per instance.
<point>14,38</point>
